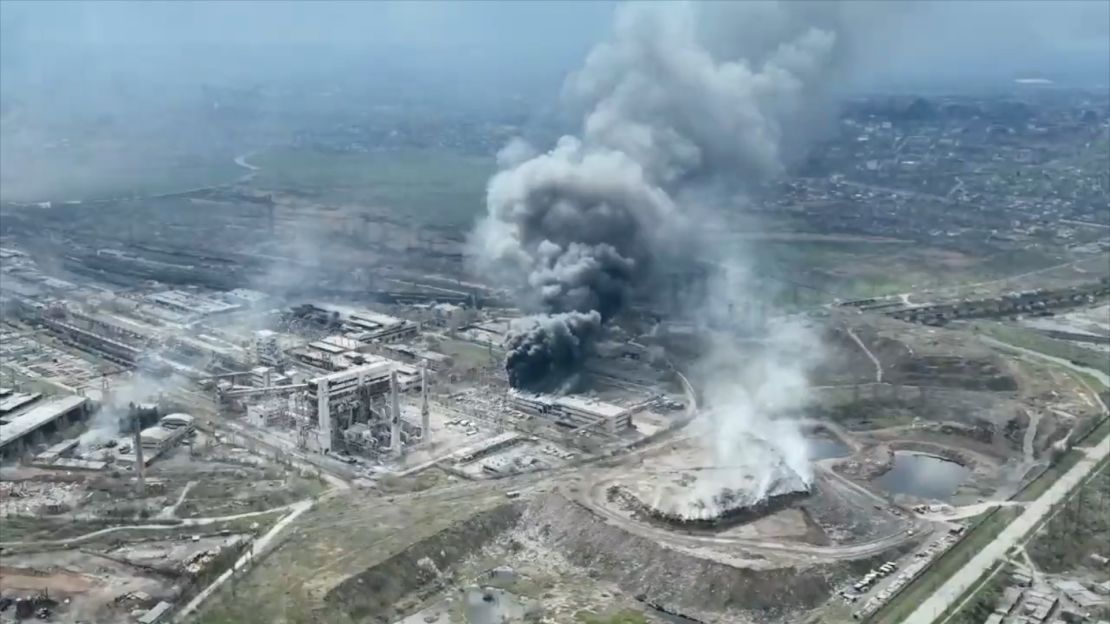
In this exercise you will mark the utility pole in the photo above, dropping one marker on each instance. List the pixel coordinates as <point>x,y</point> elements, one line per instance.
<point>136,424</point>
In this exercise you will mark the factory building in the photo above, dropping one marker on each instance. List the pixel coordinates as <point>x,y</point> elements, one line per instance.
<point>267,351</point>
<point>574,412</point>
<point>170,431</point>
<point>10,401</point>
<point>344,392</point>
<point>111,349</point>
<point>156,439</point>
<point>177,421</point>
<point>191,305</point>
<point>430,359</point>
<point>28,428</point>
<point>367,327</point>
<point>363,326</point>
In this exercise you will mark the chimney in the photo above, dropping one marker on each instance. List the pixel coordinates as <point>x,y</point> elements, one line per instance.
<point>395,416</point>
<point>138,451</point>
<point>425,424</point>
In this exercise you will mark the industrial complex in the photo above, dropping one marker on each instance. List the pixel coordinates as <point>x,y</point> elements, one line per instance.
<point>721,353</point>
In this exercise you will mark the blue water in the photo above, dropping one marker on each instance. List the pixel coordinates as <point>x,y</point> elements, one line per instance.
<point>923,476</point>
<point>826,448</point>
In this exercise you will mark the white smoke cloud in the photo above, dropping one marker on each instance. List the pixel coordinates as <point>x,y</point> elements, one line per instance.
<point>135,388</point>
<point>752,393</point>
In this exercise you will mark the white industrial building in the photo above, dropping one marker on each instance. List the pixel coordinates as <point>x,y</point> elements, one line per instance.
<point>178,421</point>
<point>574,412</point>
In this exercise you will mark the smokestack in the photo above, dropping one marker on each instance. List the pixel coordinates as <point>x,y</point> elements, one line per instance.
<point>105,391</point>
<point>425,417</point>
<point>395,416</point>
<point>138,443</point>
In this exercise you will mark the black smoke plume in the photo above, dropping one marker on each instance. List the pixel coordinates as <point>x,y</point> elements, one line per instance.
<point>545,351</point>
<point>679,94</point>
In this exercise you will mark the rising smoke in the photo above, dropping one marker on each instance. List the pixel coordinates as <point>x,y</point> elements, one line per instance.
<point>680,96</point>
<point>136,388</point>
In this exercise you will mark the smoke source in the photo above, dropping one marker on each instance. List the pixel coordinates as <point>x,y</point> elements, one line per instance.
<point>544,351</point>
<point>134,389</point>
<point>681,94</point>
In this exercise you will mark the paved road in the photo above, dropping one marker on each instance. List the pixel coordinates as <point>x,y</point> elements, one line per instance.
<point>967,576</point>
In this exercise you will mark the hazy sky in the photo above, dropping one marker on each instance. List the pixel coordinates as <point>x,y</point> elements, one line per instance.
<point>138,72</point>
<point>916,42</point>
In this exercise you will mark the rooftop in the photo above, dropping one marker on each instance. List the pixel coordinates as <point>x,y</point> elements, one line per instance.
<point>155,434</point>
<point>38,416</point>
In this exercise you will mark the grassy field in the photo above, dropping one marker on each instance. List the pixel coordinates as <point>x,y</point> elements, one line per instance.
<point>944,567</point>
<point>1098,434</point>
<point>93,174</point>
<point>342,536</point>
<point>978,602</point>
<point>851,268</point>
<point>433,186</point>
<point>1085,519</point>
<point>1037,486</point>
<point>1034,341</point>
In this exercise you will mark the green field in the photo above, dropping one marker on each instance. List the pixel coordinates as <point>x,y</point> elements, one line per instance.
<point>1035,341</point>
<point>1036,487</point>
<point>92,174</point>
<point>1085,519</point>
<point>977,603</point>
<point>849,269</point>
<point>433,186</point>
<point>1097,434</point>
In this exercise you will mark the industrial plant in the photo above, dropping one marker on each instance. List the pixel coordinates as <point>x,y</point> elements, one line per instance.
<point>701,340</point>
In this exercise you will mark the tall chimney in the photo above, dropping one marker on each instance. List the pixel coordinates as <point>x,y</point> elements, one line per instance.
<point>425,419</point>
<point>138,451</point>
<point>395,416</point>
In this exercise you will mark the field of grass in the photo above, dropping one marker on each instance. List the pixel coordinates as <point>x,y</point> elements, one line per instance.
<point>1096,435</point>
<point>433,186</point>
<point>35,528</point>
<point>1084,519</point>
<point>944,567</point>
<point>342,536</point>
<point>1034,341</point>
<point>1037,486</point>
<point>92,174</point>
<point>977,603</point>
<point>849,268</point>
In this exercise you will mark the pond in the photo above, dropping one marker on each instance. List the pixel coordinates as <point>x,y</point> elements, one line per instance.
<point>825,447</point>
<point>923,476</point>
